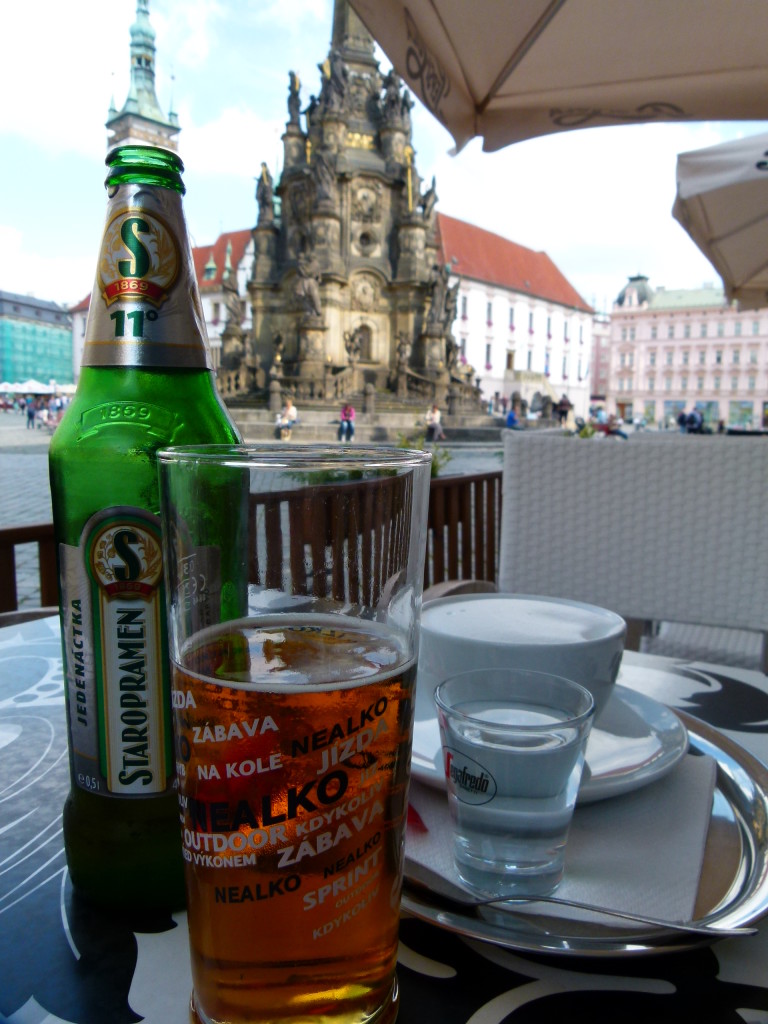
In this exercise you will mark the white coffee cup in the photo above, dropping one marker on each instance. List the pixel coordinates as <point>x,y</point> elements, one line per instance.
<point>568,638</point>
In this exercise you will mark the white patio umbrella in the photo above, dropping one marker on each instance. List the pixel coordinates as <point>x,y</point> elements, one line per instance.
<point>513,69</point>
<point>34,387</point>
<point>722,202</point>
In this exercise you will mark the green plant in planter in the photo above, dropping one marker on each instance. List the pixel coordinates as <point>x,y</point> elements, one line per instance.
<point>440,457</point>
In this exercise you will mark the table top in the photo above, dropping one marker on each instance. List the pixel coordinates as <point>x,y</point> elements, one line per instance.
<point>62,963</point>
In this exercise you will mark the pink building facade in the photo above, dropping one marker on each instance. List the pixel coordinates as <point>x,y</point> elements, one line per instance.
<point>676,349</point>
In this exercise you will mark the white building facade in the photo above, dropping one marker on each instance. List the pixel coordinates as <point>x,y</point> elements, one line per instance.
<point>520,323</point>
<point>676,349</point>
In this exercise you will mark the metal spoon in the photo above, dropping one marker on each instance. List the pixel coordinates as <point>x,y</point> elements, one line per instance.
<point>424,880</point>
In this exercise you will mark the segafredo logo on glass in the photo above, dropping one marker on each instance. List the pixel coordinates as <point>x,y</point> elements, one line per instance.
<point>139,258</point>
<point>471,782</point>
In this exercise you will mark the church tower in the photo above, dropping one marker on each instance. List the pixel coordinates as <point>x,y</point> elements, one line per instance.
<point>141,121</point>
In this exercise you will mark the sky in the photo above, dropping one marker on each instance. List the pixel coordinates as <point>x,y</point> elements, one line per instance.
<point>597,201</point>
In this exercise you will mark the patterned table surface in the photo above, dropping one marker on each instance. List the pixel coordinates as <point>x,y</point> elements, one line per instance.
<point>61,963</point>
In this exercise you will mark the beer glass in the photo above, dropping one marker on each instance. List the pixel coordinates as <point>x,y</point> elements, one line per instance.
<point>294,578</point>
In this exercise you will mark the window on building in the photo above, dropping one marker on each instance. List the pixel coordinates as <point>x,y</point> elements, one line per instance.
<point>565,331</point>
<point>510,360</point>
<point>700,383</point>
<point>683,383</point>
<point>463,347</point>
<point>667,383</point>
<point>737,328</point>
<point>511,318</point>
<point>581,334</point>
<point>702,357</point>
<point>686,355</point>
<point>669,357</point>
<point>632,333</point>
<point>753,356</point>
<point>703,330</point>
<point>671,331</point>
<point>546,364</point>
<point>736,357</point>
<point>717,382</point>
<point>751,382</point>
<point>623,333</point>
<point>654,332</point>
<point>530,322</point>
<point>565,367</point>
<point>488,356</point>
<point>718,357</point>
<point>549,326</point>
<point>463,307</point>
<point>215,312</point>
<point>651,382</point>
<point>734,383</point>
<point>652,358</point>
<point>686,330</point>
<point>489,313</point>
<point>721,330</point>
<point>755,326</point>
<point>529,360</point>
<point>622,358</point>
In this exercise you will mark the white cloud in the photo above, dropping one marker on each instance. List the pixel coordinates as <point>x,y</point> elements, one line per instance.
<point>233,145</point>
<point>44,275</point>
<point>56,78</point>
<point>597,201</point>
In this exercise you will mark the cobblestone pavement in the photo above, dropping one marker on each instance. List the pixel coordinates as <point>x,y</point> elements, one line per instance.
<point>25,495</point>
<point>25,498</point>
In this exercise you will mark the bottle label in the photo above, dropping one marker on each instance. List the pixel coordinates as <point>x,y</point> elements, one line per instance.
<point>118,689</point>
<point>145,307</point>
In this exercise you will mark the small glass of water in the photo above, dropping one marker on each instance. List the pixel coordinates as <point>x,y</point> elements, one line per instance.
<point>513,751</point>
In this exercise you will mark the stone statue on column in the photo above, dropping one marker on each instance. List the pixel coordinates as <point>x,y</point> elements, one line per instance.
<point>294,103</point>
<point>307,288</point>
<point>265,196</point>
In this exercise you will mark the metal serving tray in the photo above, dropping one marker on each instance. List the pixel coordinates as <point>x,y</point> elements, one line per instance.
<point>733,889</point>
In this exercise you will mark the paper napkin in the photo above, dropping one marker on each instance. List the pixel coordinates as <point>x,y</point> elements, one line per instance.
<point>641,852</point>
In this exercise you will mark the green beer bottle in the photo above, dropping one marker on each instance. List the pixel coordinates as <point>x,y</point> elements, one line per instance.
<point>146,383</point>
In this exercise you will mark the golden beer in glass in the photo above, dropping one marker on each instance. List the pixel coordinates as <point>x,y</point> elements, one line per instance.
<point>293,727</point>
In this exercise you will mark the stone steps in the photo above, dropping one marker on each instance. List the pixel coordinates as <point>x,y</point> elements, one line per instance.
<point>322,424</point>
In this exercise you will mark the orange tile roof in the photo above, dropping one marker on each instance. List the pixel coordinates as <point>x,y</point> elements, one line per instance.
<point>202,254</point>
<point>484,256</point>
<point>82,305</point>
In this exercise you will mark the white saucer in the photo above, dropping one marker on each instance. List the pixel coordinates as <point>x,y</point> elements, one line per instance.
<point>635,741</point>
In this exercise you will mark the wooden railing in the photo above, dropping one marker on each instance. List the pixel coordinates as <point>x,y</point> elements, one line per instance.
<point>42,535</point>
<point>463,528</point>
<point>462,538</point>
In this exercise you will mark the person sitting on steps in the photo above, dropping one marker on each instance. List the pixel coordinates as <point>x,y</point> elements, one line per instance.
<point>347,423</point>
<point>434,428</point>
<point>285,421</point>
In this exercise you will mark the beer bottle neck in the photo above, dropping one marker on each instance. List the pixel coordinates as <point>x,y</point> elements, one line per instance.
<point>145,306</point>
<point>145,165</point>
